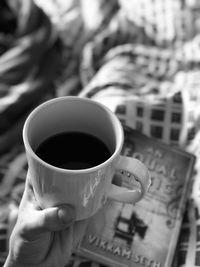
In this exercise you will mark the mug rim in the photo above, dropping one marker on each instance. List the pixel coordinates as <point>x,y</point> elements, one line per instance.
<point>72,98</point>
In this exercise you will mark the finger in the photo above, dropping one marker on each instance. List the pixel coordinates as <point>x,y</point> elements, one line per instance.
<point>66,242</point>
<point>79,231</point>
<point>61,248</point>
<point>36,222</point>
<point>70,237</point>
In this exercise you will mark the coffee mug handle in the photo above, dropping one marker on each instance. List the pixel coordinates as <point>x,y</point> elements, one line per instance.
<point>134,169</point>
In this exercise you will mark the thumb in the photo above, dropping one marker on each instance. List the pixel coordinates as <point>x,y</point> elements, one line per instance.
<point>47,220</point>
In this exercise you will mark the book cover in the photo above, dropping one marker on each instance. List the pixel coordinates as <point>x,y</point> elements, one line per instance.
<point>144,234</point>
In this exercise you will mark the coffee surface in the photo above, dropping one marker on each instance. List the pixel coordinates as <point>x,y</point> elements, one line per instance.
<point>73,150</point>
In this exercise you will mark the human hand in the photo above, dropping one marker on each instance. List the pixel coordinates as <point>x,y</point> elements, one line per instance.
<point>43,238</point>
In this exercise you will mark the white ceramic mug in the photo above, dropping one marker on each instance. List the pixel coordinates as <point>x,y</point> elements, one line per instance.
<point>85,189</point>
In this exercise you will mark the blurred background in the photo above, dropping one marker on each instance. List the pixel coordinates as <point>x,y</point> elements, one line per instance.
<point>140,58</point>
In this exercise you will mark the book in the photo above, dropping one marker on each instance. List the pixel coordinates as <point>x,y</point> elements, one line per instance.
<point>144,234</point>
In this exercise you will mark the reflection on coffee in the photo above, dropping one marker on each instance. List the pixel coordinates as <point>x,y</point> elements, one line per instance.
<point>73,150</point>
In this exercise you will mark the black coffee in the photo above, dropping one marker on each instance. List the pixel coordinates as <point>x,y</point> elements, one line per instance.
<point>73,150</point>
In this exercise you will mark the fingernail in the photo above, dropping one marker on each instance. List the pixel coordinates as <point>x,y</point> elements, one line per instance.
<point>66,215</point>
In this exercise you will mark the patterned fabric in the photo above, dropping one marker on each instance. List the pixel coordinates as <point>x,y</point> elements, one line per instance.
<point>26,74</point>
<point>140,58</point>
<point>148,90</point>
<point>13,168</point>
